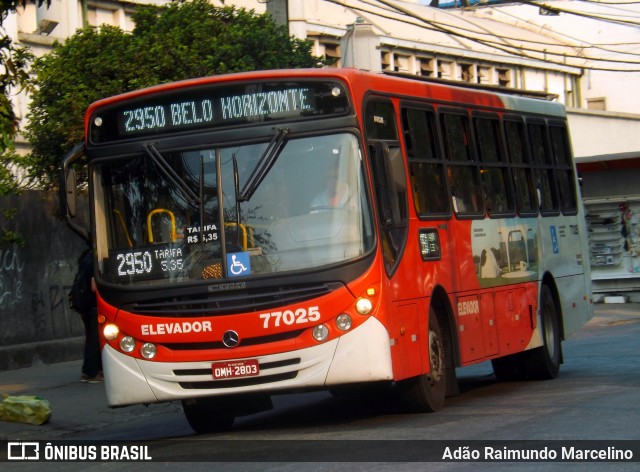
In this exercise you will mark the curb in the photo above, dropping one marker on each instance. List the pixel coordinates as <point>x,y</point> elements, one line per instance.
<point>20,356</point>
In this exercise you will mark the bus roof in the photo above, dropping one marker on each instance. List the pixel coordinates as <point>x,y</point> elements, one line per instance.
<point>404,84</point>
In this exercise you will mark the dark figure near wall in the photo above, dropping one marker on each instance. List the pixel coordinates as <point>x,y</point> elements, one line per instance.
<point>82,299</point>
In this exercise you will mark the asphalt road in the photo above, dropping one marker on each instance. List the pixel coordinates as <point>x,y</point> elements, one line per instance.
<point>595,398</point>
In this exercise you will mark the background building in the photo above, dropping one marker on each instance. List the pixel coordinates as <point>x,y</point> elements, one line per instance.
<point>580,53</point>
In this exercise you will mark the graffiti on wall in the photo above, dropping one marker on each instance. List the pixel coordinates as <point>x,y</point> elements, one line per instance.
<point>35,278</point>
<point>11,266</point>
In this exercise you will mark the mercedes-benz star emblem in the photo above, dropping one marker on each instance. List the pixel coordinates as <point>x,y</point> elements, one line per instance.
<point>230,339</point>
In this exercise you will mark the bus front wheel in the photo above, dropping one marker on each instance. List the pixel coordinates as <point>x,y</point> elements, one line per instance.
<point>426,392</point>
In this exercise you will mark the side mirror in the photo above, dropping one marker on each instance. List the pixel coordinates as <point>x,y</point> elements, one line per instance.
<point>68,190</point>
<point>70,187</point>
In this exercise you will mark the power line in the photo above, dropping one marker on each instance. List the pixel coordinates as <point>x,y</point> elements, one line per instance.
<point>555,9</point>
<point>474,36</point>
<point>580,43</point>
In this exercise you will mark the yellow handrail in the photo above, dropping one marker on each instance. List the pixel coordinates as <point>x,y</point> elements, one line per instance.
<point>243,229</point>
<point>174,235</point>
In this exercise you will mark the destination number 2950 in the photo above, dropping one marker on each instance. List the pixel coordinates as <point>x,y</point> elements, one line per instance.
<point>290,317</point>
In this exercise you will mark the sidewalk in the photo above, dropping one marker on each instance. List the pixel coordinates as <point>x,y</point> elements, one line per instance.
<point>77,408</point>
<point>80,408</point>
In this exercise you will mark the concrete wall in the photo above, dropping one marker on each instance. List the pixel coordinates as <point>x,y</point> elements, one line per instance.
<point>36,322</point>
<point>603,133</point>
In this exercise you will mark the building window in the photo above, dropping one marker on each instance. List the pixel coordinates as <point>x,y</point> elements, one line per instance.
<point>401,63</point>
<point>599,103</point>
<point>484,75</point>
<point>444,69</point>
<point>427,67</point>
<point>467,73</point>
<point>100,16</point>
<point>504,77</point>
<point>387,60</point>
<point>332,53</point>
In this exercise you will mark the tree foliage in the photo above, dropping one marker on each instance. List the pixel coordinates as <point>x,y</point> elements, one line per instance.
<point>14,61</point>
<point>180,41</point>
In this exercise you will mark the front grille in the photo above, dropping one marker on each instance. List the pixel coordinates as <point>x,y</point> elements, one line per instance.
<point>243,342</point>
<point>241,382</point>
<point>222,303</point>
<point>220,384</point>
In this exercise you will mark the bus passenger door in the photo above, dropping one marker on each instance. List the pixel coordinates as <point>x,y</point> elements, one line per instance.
<point>391,196</point>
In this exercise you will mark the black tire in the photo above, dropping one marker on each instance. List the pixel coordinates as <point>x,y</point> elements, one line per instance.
<point>543,363</point>
<point>427,392</point>
<point>207,416</point>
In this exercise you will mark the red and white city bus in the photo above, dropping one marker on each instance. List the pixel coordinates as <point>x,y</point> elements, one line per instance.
<point>278,231</point>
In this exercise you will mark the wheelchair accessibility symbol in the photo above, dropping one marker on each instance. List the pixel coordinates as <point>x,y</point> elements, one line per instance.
<point>238,263</point>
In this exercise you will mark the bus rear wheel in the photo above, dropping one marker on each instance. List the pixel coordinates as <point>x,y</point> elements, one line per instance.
<point>426,392</point>
<point>541,363</point>
<point>206,415</point>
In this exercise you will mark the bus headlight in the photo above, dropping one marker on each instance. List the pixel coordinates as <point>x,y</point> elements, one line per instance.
<point>364,306</point>
<point>320,333</point>
<point>127,344</point>
<point>343,322</point>
<point>148,350</point>
<point>110,332</point>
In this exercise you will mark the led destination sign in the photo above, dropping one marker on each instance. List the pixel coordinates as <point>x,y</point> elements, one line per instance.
<point>216,106</point>
<point>235,107</point>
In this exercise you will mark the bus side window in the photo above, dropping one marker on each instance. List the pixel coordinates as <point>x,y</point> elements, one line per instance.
<point>493,172</point>
<point>543,170</point>
<point>428,182</point>
<point>520,168</point>
<point>462,172</point>
<point>564,171</point>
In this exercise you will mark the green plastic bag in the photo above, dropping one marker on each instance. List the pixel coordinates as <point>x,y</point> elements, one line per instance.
<point>25,409</point>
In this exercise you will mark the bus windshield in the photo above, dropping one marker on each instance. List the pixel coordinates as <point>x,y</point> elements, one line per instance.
<point>237,211</point>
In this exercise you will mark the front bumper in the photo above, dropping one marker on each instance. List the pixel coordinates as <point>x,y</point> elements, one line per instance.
<point>362,355</point>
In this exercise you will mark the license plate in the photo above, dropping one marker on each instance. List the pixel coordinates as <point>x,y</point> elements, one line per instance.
<point>235,369</point>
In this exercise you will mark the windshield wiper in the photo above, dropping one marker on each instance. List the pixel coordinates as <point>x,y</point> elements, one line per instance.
<point>236,191</point>
<point>265,163</point>
<point>171,175</point>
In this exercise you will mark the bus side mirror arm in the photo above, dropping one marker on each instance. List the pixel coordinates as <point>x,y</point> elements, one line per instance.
<point>68,191</point>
